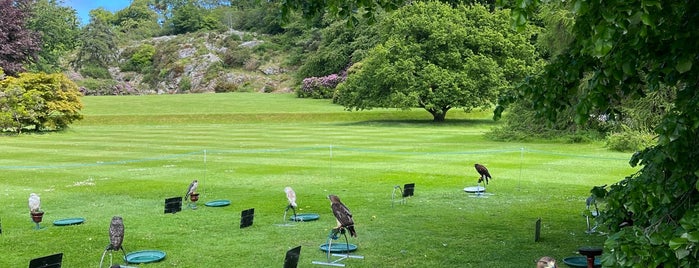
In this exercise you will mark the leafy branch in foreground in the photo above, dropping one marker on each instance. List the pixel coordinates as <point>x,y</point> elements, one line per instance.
<point>630,48</point>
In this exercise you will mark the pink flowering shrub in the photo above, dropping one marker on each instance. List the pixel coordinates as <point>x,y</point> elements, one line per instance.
<point>320,87</point>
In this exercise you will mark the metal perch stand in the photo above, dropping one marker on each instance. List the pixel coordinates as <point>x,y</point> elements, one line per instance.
<point>334,235</point>
<point>393,195</point>
<point>285,219</point>
<point>110,249</point>
<point>591,202</point>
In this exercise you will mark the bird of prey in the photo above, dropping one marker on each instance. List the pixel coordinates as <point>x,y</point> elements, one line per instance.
<point>342,215</point>
<point>116,237</point>
<point>291,196</point>
<point>116,234</point>
<point>192,189</point>
<point>34,203</point>
<point>485,175</point>
<point>546,262</point>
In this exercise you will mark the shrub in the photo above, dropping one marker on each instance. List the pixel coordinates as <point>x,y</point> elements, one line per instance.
<point>251,64</point>
<point>97,87</point>
<point>320,87</point>
<point>629,141</point>
<point>223,86</point>
<point>141,59</point>
<point>236,58</point>
<point>185,84</point>
<point>95,72</point>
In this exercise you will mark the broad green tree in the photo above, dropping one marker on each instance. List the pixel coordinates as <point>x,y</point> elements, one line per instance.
<point>437,58</point>
<point>38,101</point>
<point>58,27</point>
<point>137,21</point>
<point>192,18</point>
<point>627,48</point>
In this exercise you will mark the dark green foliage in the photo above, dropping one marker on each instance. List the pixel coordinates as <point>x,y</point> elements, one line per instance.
<point>436,57</point>
<point>97,72</point>
<point>627,49</point>
<point>335,48</point>
<point>59,29</point>
<point>97,44</point>
<point>191,18</point>
<point>137,21</point>
<point>523,124</point>
<point>262,18</point>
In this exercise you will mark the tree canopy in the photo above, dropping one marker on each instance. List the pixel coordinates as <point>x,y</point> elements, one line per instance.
<point>628,48</point>
<point>39,102</point>
<point>437,58</point>
<point>18,44</point>
<point>58,27</point>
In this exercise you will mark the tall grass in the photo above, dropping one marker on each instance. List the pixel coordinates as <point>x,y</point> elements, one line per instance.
<point>132,152</point>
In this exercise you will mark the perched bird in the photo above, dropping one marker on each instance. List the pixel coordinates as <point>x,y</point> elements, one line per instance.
<point>342,215</point>
<point>116,238</point>
<point>34,203</point>
<point>116,234</point>
<point>192,189</point>
<point>485,175</point>
<point>546,262</point>
<point>291,196</point>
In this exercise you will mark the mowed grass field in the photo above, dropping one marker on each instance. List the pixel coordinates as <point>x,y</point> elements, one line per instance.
<point>132,152</point>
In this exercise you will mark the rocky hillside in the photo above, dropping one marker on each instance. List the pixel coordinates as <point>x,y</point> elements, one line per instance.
<point>196,63</point>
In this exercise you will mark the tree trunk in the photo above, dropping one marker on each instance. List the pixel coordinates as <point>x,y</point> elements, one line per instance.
<point>438,115</point>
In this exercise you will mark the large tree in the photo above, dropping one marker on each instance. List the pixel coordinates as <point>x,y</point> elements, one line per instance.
<point>627,48</point>
<point>58,26</point>
<point>18,44</point>
<point>437,58</point>
<point>97,43</point>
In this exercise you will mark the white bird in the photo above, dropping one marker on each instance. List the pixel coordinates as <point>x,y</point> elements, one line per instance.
<point>34,203</point>
<point>291,195</point>
<point>192,189</point>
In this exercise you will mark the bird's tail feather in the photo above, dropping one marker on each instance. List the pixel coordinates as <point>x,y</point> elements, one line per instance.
<point>352,231</point>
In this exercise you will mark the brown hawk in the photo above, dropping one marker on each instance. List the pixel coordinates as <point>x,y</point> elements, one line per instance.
<point>342,215</point>
<point>485,175</point>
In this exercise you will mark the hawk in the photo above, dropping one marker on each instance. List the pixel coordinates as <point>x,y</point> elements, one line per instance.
<point>291,196</point>
<point>192,189</point>
<point>342,215</point>
<point>116,234</point>
<point>485,175</point>
<point>34,203</point>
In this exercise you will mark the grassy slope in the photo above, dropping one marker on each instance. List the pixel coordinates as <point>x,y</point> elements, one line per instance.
<point>132,152</point>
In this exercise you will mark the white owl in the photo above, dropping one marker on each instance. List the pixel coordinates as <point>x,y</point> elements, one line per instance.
<point>34,203</point>
<point>291,196</point>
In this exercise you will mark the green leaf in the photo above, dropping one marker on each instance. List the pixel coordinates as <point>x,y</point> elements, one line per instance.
<point>627,68</point>
<point>693,236</point>
<point>684,65</point>
<point>681,253</point>
<point>676,243</point>
<point>647,19</point>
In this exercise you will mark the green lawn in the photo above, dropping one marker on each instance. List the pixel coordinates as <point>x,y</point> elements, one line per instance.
<point>132,152</point>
